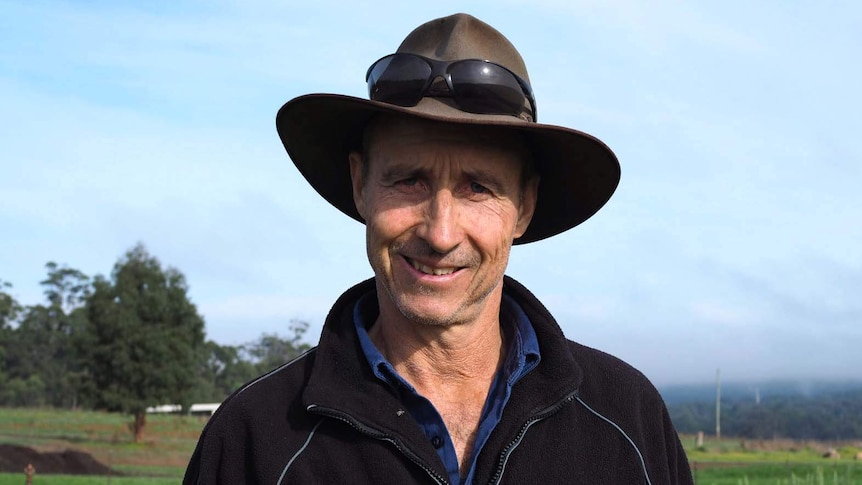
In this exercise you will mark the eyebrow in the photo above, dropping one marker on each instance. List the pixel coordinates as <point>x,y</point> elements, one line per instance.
<point>399,169</point>
<point>394,171</point>
<point>486,177</point>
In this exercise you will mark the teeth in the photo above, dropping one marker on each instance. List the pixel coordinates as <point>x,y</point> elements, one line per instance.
<point>429,270</point>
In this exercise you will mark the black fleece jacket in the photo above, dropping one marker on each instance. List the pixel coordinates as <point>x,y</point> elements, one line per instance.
<point>580,417</point>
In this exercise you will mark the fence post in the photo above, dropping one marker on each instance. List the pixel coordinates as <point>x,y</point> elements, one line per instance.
<point>29,472</point>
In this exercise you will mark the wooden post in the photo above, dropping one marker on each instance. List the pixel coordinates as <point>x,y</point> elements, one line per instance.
<point>718,404</point>
<point>29,472</point>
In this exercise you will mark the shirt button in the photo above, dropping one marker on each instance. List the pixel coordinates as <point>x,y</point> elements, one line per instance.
<point>437,442</point>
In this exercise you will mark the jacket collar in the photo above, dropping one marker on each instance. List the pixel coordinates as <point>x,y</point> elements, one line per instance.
<point>342,380</point>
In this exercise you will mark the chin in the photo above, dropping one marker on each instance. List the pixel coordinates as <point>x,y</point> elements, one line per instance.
<point>435,316</point>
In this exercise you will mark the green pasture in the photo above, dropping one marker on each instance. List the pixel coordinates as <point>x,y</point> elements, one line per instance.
<point>164,451</point>
<point>18,479</point>
<point>745,451</point>
<point>779,474</point>
<point>169,441</point>
<point>763,462</point>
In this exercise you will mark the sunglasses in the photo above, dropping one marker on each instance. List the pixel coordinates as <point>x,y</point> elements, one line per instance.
<point>476,86</point>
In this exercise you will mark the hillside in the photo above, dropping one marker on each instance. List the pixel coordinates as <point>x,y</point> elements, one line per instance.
<point>740,391</point>
<point>828,411</point>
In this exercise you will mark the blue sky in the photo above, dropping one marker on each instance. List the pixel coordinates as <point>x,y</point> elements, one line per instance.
<point>733,240</point>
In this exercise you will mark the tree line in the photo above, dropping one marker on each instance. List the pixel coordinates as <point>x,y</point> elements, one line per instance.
<point>829,416</point>
<point>122,343</point>
<point>133,339</point>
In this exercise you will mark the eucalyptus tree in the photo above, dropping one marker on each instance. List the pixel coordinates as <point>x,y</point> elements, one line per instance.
<point>145,337</point>
<point>9,309</point>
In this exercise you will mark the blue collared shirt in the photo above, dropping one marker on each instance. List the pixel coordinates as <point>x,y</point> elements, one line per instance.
<point>521,357</point>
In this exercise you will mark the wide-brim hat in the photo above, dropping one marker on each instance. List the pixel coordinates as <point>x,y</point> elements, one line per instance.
<point>578,172</point>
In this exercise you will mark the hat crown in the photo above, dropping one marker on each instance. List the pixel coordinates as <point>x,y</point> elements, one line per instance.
<point>578,172</point>
<point>462,36</point>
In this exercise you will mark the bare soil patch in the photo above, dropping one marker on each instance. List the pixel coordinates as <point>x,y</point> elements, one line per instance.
<point>14,458</point>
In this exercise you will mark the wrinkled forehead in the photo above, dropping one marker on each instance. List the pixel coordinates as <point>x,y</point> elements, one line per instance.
<point>391,131</point>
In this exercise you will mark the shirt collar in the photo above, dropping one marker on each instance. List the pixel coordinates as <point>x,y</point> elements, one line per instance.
<point>523,354</point>
<point>364,313</point>
<point>523,345</point>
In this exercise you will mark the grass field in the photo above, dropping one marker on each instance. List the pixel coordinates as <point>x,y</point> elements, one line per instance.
<point>780,474</point>
<point>18,479</point>
<point>169,441</point>
<point>164,452</point>
<point>772,462</point>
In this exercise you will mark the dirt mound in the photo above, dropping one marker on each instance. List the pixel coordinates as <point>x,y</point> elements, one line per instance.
<point>14,458</point>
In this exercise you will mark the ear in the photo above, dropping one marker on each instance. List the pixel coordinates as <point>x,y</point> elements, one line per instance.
<point>356,173</point>
<point>528,206</point>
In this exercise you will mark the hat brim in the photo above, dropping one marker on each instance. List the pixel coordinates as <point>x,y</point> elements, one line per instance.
<point>578,172</point>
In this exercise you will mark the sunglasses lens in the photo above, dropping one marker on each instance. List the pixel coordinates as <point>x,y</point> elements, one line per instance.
<point>399,80</point>
<point>481,87</point>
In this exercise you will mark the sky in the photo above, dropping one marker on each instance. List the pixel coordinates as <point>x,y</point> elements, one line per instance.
<point>732,242</point>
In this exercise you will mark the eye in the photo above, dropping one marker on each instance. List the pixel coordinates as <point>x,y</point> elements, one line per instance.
<point>478,188</point>
<point>409,185</point>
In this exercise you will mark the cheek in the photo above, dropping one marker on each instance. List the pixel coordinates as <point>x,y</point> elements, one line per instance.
<point>390,206</point>
<point>386,224</point>
<point>493,230</point>
<point>496,220</point>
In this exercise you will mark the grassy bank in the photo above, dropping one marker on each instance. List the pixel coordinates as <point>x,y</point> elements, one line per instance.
<point>780,474</point>
<point>169,441</point>
<point>167,445</point>
<point>18,479</point>
<point>772,462</point>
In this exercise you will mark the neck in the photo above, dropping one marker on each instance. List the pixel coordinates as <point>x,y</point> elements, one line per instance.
<point>445,356</point>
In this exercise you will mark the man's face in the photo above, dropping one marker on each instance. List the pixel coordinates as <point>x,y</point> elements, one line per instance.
<point>442,205</point>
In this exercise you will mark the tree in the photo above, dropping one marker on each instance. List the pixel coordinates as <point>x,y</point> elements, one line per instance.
<point>20,381</point>
<point>45,341</point>
<point>145,337</point>
<point>223,370</point>
<point>9,309</point>
<point>270,350</point>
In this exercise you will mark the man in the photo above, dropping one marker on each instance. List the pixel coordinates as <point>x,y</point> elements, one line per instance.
<point>441,369</point>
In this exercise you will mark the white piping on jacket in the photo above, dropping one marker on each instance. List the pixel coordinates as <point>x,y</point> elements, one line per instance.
<point>276,370</point>
<point>299,451</point>
<point>643,463</point>
<point>272,372</point>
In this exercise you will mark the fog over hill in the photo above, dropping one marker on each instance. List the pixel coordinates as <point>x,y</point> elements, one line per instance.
<point>802,410</point>
<point>744,391</point>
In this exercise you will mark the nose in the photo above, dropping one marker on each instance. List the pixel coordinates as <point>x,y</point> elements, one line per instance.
<point>440,227</point>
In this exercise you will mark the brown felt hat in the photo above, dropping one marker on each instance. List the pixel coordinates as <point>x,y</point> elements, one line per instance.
<point>578,172</point>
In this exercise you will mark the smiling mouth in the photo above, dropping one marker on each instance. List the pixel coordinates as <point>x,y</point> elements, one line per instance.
<point>429,270</point>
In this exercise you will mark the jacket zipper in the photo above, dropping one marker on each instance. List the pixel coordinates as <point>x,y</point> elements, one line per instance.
<point>542,415</point>
<point>379,435</point>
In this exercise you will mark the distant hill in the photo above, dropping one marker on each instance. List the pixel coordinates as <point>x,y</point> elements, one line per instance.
<point>741,391</point>
<point>821,411</point>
